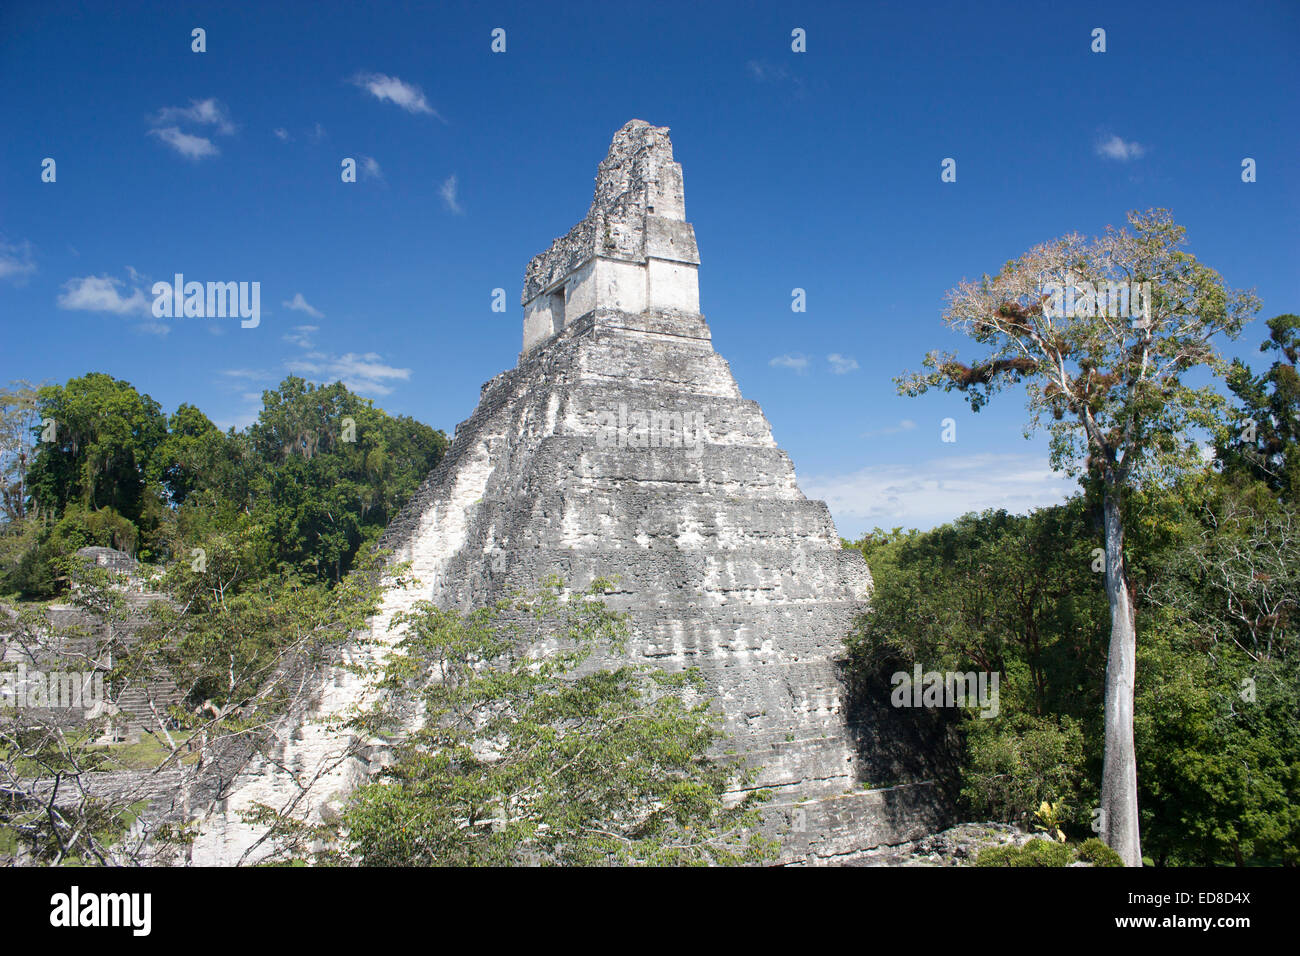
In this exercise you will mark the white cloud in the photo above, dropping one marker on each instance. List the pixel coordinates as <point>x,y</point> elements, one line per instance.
<point>191,147</point>
<point>209,112</point>
<point>904,425</point>
<point>406,95</point>
<point>1112,147</point>
<point>299,304</point>
<point>282,134</point>
<point>797,362</point>
<point>16,262</point>
<point>250,374</point>
<point>370,168</point>
<point>930,493</point>
<point>317,133</point>
<point>840,364</point>
<point>362,373</point>
<point>301,335</point>
<point>448,193</point>
<point>100,294</point>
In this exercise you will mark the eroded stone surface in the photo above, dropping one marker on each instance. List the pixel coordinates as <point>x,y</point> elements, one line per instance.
<point>633,251</point>
<point>620,445</point>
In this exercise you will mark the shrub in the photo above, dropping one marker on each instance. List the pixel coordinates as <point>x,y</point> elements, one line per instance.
<point>1033,853</point>
<point>1098,854</point>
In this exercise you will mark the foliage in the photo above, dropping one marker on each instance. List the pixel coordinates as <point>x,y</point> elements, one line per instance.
<point>1033,853</point>
<point>1216,562</point>
<point>321,473</point>
<point>1218,727</point>
<point>1049,853</point>
<point>527,757</point>
<point>1047,818</point>
<point>1017,766</point>
<point>992,592</point>
<point>1266,443</point>
<point>1097,853</point>
<point>105,438</point>
<point>1112,385</point>
<point>234,641</point>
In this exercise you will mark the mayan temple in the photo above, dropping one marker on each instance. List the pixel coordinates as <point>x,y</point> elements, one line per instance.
<point>620,446</point>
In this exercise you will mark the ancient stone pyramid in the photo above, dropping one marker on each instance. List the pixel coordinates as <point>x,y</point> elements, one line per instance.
<point>620,445</point>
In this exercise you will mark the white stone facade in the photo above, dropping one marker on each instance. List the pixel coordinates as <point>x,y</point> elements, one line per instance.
<point>634,250</point>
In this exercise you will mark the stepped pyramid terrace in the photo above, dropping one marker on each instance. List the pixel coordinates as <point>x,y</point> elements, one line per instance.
<point>620,446</point>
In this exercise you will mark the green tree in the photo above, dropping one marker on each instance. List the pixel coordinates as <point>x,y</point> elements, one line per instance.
<point>1006,594</point>
<point>545,758</point>
<point>1113,385</point>
<point>1266,446</point>
<point>106,435</point>
<point>1220,694</point>
<point>333,472</point>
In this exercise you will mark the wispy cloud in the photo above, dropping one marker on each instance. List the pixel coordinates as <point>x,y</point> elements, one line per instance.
<point>929,493</point>
<point>250,374</point>
<point>841,364</point>
<point>448,193</point>
<point>1113,147</point>
<point>167,124</point>
<point>797,362</point>
<point>406,95</point>
<point>763,71</point>
<point>189,146</point>
<point>16,262</point>
<point>299,304</point>
<point>370,168</point>
<point>366,374</point>
<point>282,134</point>
<point>776,75</point>
<point>209,112</point>
<point>301,335</point>
<point>904,425</point>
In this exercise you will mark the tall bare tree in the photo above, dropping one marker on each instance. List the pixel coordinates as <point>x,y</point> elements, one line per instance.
<point>1103,333</point>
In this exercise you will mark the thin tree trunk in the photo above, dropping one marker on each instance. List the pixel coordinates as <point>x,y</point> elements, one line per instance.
<point>1119,809</point>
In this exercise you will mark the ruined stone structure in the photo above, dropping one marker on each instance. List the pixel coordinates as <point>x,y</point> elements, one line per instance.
<point>634,251</point>
<point>78,641</point>
<point>620,445</point>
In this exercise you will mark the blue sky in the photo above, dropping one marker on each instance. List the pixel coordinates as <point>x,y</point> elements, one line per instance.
<point>818,170</point>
